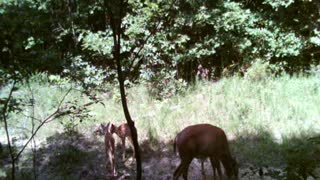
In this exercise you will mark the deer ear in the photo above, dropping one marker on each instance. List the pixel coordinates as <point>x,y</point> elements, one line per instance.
<point>113,128</point>
<point>108,124</point>
<point>108,127</point>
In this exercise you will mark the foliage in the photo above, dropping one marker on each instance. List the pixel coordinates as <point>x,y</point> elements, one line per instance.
<point>66,157</point>
<point>278,3</point>
<point>84,73</point>
<point>262,70</point>
<point>284,107</point>
<point>55,45</point>
<point>303,158</point>
<point>258,71</point>
<point>174,35</point>
<point>316,38</point>
<point>164,85</point>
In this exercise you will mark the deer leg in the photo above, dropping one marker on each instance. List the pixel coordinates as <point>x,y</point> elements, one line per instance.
<point>123,140</point>
<point>202,169</point>
<point>215,166</point>
<point>112,163</point>
<point>178,172</point>
<point>219,169</point>
<point>181,169</point>
<point>185,170</point>
<point>110,147</point>
<point>131,144</point>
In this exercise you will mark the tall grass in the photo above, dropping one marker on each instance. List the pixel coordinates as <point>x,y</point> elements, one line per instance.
<point>45,97</point>
<point>284,106</point>
<point>276,108</point>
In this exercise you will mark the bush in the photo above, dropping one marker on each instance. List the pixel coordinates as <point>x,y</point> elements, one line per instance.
<point>303,158</point>
<point>258,71</point>
<point>164,85</point>
<point>261,70</point>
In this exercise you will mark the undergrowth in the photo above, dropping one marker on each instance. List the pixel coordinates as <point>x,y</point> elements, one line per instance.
<point>265,120</point>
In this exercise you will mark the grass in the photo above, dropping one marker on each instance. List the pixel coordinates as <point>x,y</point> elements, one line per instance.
<point>259,117</point>
<point>284,107</point>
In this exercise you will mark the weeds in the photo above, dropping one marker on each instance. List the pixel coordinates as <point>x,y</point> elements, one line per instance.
<point>259,117</point>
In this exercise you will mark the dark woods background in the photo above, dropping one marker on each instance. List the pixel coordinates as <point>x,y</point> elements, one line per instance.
<point>162,39</point>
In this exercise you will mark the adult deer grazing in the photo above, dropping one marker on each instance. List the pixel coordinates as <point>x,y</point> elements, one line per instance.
<point>109,142</point>
<point>204,141</point>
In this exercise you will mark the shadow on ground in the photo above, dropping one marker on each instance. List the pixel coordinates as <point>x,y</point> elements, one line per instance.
<point>80,156</point>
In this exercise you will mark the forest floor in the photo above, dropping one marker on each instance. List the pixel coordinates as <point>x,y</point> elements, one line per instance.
<point>82,156</point>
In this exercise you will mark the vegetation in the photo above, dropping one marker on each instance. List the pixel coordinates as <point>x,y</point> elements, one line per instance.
<point>250,67</point>
<point>266,121</point>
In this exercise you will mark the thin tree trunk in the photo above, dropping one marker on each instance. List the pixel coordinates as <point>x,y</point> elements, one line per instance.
<point>33,144</point>
<point>133,130</point>
<point>116,29</point>
<point>4,116</point>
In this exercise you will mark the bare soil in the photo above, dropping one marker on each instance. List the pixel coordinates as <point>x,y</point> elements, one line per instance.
<point>79,156</point>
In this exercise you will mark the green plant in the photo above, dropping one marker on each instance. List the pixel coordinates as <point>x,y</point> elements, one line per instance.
<point>67,158</point>
<point>303,158</point>
<point>164,85</point>
<point>88,76</point>
<point>258,71</point>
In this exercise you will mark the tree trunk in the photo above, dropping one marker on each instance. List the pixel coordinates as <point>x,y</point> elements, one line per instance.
<point>115,21</point>
<point>133,130</point>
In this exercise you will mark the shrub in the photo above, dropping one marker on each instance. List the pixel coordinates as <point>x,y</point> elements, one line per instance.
<point>303,158</point>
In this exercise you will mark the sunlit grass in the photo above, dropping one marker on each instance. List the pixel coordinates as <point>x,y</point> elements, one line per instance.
<point>273,110</point>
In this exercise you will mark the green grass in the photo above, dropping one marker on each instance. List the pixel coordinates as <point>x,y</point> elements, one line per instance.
<point>284,107</point>
<point>259,117</point>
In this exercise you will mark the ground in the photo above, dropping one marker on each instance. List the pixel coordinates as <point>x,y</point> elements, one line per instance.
<point>76,155</point>
<point>82,156</point>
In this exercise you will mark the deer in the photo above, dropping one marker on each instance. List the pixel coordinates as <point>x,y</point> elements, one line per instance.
<point>109,141</point>
<point>203,141</point>
<point>123,132</point>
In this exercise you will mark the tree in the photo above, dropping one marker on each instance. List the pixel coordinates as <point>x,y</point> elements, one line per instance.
<point>116,11</point>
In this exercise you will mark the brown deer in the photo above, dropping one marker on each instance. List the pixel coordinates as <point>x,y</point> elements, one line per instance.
<point>107,131</point>
<point>123,131</point>
<point>204,141</point>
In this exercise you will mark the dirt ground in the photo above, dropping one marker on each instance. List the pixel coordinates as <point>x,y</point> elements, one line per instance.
<point>80,156</point>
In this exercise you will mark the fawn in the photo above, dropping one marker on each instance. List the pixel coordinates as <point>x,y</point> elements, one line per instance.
<point>123,132</point>
<point>109,141</point>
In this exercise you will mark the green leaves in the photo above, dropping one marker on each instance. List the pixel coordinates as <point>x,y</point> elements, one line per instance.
<point>31,42</point>
<point>275,4</point>
<point>100,42</point>
<point>161,34</point>
<point>84,73</point>
<point>316,38</point>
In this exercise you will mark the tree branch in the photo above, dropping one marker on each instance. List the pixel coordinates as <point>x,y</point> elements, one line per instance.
<point>46,120</point>
<point>4,116</point>
<point>136,55</point>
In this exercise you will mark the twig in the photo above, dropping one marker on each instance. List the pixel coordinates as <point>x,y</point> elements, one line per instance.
<point>49,118</point>
<point>136,55</point>
<point>57,113</point>
<point>28,116</point>
<point>4,115</point>
<point>33,145</point>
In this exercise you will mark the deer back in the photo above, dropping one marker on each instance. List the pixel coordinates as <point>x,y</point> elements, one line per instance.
<point>204,140</point>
